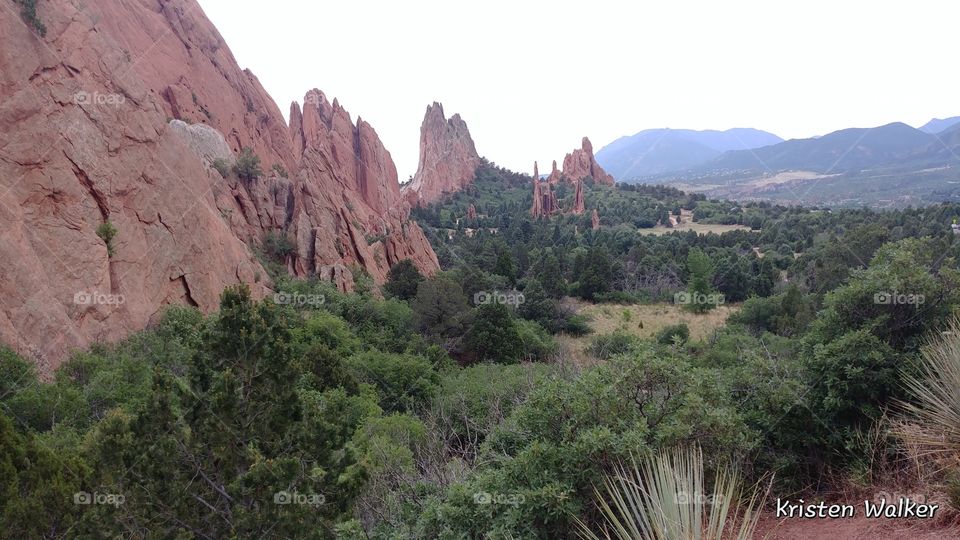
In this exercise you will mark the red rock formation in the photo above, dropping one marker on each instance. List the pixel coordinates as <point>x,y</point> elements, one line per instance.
<point>448,158</point>
<point>472,212</point>
<point>85,138</point>
<point>595,220</point>
<point>580,164</point>
<point>555,175</point>
<point>578,205</point>
<point>350,211</point>
<point>544,200</point>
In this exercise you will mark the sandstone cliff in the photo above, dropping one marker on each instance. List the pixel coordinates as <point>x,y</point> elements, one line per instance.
<point>86,139</point>
<point>578,202</point>
<point>581,163</point>
<point>555,175</point>
<point>448,158</point>
<point>544,200</point>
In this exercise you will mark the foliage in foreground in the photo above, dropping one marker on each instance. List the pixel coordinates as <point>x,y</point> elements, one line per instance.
<point>932,421</point>
<point>667,498</point>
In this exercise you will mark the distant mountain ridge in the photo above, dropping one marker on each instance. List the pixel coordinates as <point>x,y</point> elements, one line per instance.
<point>841,151</point>
<point>889,165</point>
<point>938,125</point>
<point>656,151</point>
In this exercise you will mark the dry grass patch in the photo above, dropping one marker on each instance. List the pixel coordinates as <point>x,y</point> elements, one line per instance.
<point>699,228</point>
<point>684,222</point>
<point>643,320</point>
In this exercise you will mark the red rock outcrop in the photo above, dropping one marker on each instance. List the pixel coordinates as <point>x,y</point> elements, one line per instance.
<point>349,210</point>
<point>580,164</point>
<point>448,158</point>
<point>578,204</point>
<point>85,139</point>
<point>555,175</point>
<point>595,220</point>
<point>544,200</point>
<point>472,212</point>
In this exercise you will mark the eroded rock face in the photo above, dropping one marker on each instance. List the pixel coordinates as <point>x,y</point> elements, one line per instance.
<point>555,175</point>
<point>448,158</point>
<point>349,209</point>
<point>578,204</point>
<point>581,163</point>
<point>595,220</point>
<point>544,200</point>
<point>471,212</point>
<point>204,141</point>
<point>85,138</point>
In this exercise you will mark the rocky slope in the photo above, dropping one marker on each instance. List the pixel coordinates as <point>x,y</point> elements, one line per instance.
<point>448,158</point>
<point>88,136</point>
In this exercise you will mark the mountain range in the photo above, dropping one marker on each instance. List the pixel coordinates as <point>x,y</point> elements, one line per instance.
<point>655,151</point>
<point>890,165</point>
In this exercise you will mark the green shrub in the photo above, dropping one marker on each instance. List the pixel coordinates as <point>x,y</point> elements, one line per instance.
<point>107,232</point>
<point>277,246</point>
<point>576,325</point>
<point>606,346</point>
<point>247,166</point>
<point>669,335</point>
<point>538,345</point>
<point>404,382</point>
<point>28,10</point>
<point>278,168</point>
<point>222,166</point>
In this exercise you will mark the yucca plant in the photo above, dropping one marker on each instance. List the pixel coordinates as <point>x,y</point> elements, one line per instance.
<point>932,425</point>
<point>665,498</point>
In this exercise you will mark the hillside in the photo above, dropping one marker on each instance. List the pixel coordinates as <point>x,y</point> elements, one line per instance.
<point>841,151</point>
<point>893,165</point>
<point>656,151</point>
<point>940,124</point>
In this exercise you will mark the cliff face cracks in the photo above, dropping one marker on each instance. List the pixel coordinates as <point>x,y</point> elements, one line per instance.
<point>86,138</point>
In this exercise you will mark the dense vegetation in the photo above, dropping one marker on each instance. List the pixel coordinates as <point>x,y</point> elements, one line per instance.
<point>448,409</point>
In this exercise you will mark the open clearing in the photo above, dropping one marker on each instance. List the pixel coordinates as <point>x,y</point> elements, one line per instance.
<point>643,320</point>
<point>685,223</point>
<point>699,228</point>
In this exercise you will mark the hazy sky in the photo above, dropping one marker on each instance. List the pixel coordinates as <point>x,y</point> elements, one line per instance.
<point>531,78</point>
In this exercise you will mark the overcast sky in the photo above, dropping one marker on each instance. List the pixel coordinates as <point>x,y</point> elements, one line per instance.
<point>531,78</point>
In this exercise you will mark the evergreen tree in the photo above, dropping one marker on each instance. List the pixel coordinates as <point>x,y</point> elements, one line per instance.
<point>403,280</point>
<point>439,307</point>
<point>699,285</point>
<point>504,266</point>
<point>596,276</point>
<point>494,336</point>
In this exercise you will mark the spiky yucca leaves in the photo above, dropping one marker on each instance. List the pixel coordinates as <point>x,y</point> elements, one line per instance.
<point>665,498</point>
<point>933,422</point>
